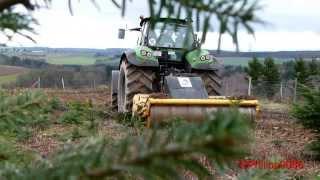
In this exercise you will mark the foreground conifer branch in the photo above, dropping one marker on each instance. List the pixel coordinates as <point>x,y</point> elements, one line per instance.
<point>158,154</point>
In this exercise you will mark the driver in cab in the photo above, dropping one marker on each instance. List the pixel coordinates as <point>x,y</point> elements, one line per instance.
<point>164,39</point>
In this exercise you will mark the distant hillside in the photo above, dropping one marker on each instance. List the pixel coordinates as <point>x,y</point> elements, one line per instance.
<point>112,52</point>
<point>111,56</point>
<point>117,51</point>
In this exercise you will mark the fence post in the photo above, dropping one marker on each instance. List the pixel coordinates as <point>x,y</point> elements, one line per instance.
<point>62,82</point>
<point>227,88</point>
<point>281,91</point>
<point>39,82</point>
<point>249,86</point>
<point>295,90</point>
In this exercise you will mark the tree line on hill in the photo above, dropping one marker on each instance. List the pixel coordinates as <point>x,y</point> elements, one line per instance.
<point>27,63</point>
<point>74,76</point>
<point>266,74</point>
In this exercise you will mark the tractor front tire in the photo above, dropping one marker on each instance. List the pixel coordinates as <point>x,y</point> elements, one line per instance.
<point>212,81</point>
<point>133,80</point>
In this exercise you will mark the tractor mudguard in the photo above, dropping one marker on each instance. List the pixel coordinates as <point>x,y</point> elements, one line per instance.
<point>200,59</point>
<point>135,58</point>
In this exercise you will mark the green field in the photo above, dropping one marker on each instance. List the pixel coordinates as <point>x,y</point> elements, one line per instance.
<point>8,78</point>
<point>72,59</point>
<point>9,74</point>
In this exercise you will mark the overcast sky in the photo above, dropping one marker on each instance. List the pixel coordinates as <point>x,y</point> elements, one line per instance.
<point>293,25</point>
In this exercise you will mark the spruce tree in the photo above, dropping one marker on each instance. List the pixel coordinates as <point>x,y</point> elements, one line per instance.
<point>287,70</point>
<point>308,114</point>
<point>254,70</point>
<point>313,68</point>
<point>271,76</point>
<point>301,71</point>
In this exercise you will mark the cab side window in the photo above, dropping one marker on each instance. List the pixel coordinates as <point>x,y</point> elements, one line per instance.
<point>140,36</point>
<point>139,39</point>
<point>144,34</point>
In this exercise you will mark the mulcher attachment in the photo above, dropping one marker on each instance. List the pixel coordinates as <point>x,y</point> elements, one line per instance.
<point>185,88</point>
<point>186,98</point>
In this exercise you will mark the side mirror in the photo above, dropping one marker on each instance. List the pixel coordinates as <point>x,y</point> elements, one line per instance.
<point>121,33</point>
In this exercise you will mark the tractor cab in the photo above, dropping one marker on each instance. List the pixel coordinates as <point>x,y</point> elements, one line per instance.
<point>169,40</point>
<point>164,33</point>
<point>167,34</point>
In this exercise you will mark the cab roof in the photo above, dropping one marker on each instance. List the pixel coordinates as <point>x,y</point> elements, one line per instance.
<point>172,20</point>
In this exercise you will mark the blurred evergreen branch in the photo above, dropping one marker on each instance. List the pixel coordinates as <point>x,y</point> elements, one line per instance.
<point>12,23</point>
<point>19,113</point>
<point>158,154</point>
<point>230,14</point>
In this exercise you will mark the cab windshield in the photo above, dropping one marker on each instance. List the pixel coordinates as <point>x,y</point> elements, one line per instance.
<point>169,35</point>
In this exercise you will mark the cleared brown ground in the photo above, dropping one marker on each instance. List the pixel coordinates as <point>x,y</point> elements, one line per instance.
<point>277,135</point>
<point>11,70</point>
<point>98,96</point>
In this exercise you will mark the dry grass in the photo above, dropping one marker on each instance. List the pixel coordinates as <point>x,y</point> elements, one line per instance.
<point>274,106</point>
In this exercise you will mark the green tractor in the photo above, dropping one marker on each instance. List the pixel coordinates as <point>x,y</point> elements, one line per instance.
<point>168,60</point>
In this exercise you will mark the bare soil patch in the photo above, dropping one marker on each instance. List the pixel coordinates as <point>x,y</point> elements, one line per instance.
<point>278,136</point>
<point>11,70</point>
<point>97,96</point>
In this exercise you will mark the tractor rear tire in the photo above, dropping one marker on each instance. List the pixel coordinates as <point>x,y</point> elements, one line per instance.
<point>114,90</point>
<point>212,81</point>
<point>133,80</point>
